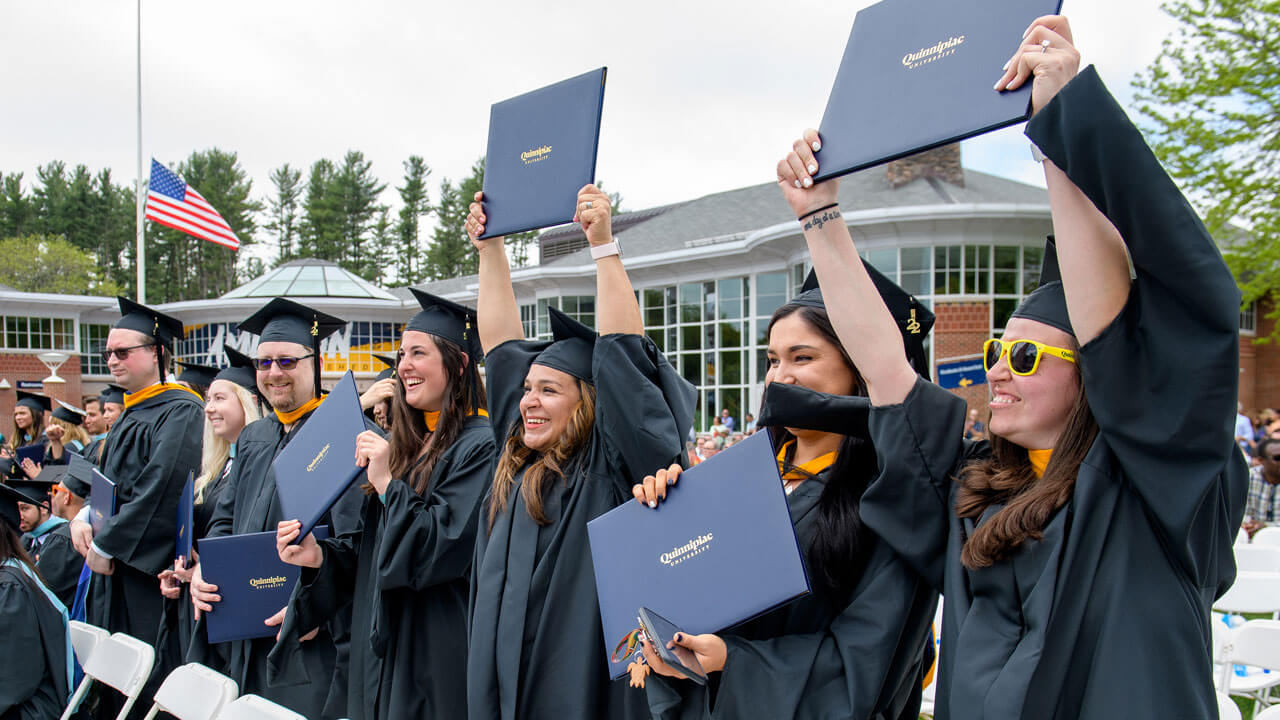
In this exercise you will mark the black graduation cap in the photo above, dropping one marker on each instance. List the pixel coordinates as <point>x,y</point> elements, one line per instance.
<point>390,362</point>
<point>67,413</point>
<point>152,323</point>
<point>1047,303</point>
<point>573,346</point>
<point>9,499</point>
<point>196,374</point>
<point>283,320</point>
<point>112,394</point>
<point>35,403</point>
<point>79,477</point>
<point>914,320</point>
<point>34,492</point>
<point>240,371</point>
<point>449,320</point>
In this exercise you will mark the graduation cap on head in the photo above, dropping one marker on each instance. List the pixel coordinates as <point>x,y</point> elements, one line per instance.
<point>34,492</point>
<point>446,319</point>
<point>35,403</point>
<point>573,346</point>
<point>1047,303</point>
<point>112,394</point>
<point>195,374</point>
<point>79,476</point>
<point>152,323</point>
<point>390,363</point>
<point>240,371</point>
<point>9,499</point>
<point>283,320</point>
<point>914,320</point>
<point>67,413</point>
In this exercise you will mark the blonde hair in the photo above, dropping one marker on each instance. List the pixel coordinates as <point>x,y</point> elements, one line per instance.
<point>70,432</point>
<point>546,465</point>
<point>216,450</point>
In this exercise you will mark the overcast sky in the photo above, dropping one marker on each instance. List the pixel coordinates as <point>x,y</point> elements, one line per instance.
<point>702,96</point>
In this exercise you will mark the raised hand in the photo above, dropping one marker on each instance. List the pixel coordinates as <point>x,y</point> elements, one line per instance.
<point>1047,53</point>
<point>653,489</point>
<point>305,554</point>
<point>795,177</point>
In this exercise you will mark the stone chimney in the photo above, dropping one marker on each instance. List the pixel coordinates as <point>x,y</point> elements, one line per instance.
<point>942,163</point>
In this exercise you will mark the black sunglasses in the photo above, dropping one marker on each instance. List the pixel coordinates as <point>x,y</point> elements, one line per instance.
<point>284,363</point>
<point>122,353</point>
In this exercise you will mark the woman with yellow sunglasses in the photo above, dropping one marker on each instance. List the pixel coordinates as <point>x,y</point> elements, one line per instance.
<point>1080,550</point>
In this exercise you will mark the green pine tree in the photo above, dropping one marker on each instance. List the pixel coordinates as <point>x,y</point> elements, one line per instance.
<point>415,205</point>
<point>282,212</point>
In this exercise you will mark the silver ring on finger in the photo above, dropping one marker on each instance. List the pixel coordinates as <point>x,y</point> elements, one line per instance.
<point>1044,46</point>
<point>586,205</point>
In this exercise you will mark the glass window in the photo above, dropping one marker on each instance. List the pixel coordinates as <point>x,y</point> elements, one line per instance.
<point>1006,270</point>
<point>653,308</point>
<point>657,336</point>
<point>1249,318</point>
<point>691,337</point>
<point>916,270</point>
<point>1001,309</point>
<point>885,260</point>
<point>771,292</point>
<point>15,333</point>
<point>731,367</point>
<point>691,368</point>
<point>529,320</point>
<point>93,338</point>
<point>729,297</point>
<point>730,335</point>
<point>977,269</point>
<point>1031,259</point>
<point>797,278</point>
<point>691,303</point>
<point>946,270</point>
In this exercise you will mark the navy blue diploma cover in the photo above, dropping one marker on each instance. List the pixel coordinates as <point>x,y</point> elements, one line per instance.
<point>186,515</point>
<point>253,581</point>
<point>542,150</point>
<point>318,465</point>
<point>34,453</point>
<point>917,74</point>
<point>719,551</point>
<point>102,501</point>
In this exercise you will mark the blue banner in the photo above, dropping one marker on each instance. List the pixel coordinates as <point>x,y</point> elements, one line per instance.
<point>961,373</point>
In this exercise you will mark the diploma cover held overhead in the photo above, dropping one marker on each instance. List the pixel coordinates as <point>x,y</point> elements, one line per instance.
<point>917,74</point>
<point>318,465</point>
<point>251,578</point>
<point>102,501</point>
<point>717,552</point>
<point>542,150</point>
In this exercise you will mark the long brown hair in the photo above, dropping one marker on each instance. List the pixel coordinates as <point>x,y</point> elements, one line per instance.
<point>1006,476</point>
<point>32,436</point>
<point>463,395</point>
<point>547,465</point>
<point>836,555</point>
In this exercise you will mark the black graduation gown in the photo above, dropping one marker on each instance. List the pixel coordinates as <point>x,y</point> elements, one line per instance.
<point>1107,615</point>
<point>148,453</point>
<point>173,640</point>
<point>249,504</point>
<point>536,644</point>
<point>59,564</point>
<point>33,666</point>
<point>857,656</point>
<point>406,576</point>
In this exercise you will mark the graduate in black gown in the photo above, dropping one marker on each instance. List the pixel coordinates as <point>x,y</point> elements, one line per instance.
<point>47,537</point>
<point>148,453</point>
<point>111,400</point>
<point>577,421</point>
<point>1079,552</point>
<point>406,575</point>
<point>35,667</point>
<point>64,432</point>
<point>28,429</point>
<point>853,647</point>
<point>288,365</point>
<point>230,404</point>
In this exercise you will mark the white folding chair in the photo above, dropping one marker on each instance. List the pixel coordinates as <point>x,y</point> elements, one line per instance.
<point>121,662</point>
<point>1255,643</point>
<point>1267,536</point>
<point>194,692</point>
<point>1242,538</point>
<point>253,707</point>
<point>1253,592</point>
<point>1257,558</point>
<point>84,638</point>
<point>1271,713</point>
<point>1227,708</point>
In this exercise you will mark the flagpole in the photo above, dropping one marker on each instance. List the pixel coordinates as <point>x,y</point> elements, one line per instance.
<point>140,197</point>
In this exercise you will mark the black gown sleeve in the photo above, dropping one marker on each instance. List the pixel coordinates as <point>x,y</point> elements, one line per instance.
<point>141,532</point>
<point>21,673</point>
<point>644,408</point>
<point>321,592</point>
<point>1162,378</point>
<point>432,539</point>
<point>918,444</point>
<point>59,565</point>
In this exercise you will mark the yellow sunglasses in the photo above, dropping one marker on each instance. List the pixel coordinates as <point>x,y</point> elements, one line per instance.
<point>1024,355</point>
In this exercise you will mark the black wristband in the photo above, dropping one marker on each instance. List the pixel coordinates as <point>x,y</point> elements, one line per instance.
<point>824,207</point>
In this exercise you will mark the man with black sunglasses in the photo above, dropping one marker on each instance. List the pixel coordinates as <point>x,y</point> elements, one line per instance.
<point>147,453</point>
<point>1263,505</point>
<point>287,363</point>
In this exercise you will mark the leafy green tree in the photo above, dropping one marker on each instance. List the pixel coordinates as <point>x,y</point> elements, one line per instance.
<point>415,205</point>
<point>52,265</point>
<point>1212,101</point>
<point>282,210</point>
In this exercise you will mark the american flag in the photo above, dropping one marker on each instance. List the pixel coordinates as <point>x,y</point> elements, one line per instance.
<point>173,203</point>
